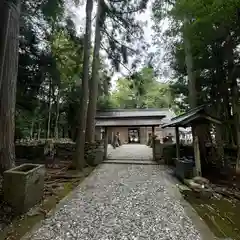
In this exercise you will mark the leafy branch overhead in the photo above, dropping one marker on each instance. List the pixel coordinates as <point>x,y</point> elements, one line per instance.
<point>120,29</point>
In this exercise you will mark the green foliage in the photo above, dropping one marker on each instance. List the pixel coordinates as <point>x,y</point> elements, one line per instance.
<point>210,23</point>
<point>50,71</point>
<point>50,56</point>
<point>52,10</point>
<point>212,29</point>
<point>50,66</point>
<point>141,90</point>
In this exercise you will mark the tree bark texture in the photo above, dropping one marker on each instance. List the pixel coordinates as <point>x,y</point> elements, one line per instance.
<point>57,115</point>
<point>82,116</point>
<point>32,129</point>
<point>94,80</point>
<point>5,12</point>
<point>236,117</point>
<point>49,108</point>
<point>232,79</point>
<point>8,85</point>
<point>192,93</point>
<point>39,130</point>
<point>189,64</point>
<point>219,140</point>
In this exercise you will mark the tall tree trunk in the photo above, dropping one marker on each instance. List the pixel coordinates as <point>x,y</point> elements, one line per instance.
<point>189,63</point>
<point>226,111</point>
<point>220,111</point>
<point>94,80</point>
<point>8,86</point>
<point>80,141</point>
<point>236,117</point>
<point>57,115</point>
<point>192,93</point>
<point>219,139</point>
<point>39,130</point>
<point>49,108</point>
<point>232,78</point>
<point>32,128</point>
<point>5,14</point>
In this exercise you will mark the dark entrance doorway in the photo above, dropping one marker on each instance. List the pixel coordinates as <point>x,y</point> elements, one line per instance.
<point>134,135</point>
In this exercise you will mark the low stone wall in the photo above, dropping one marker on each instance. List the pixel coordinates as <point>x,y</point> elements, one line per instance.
<point>34,152</point>
<point>30,152</point>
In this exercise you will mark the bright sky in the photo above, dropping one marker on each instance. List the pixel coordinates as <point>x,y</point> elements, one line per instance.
<point>79,18</point>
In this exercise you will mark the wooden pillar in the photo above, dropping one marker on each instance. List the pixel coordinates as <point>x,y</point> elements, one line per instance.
<point>197,156</point>
<point>153,142</point>
<point>112,135</point>
<point>97,133</point>
<point>145,135</point>
<point>105,142</point>
<point>177,143</point>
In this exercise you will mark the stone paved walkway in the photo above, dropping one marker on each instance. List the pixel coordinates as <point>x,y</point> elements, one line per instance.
<point>130,151</point>
<point>121,202</point>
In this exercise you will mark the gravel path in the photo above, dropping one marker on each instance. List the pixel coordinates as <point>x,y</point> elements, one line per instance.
<point>121,202</point>
<point>130,151</point>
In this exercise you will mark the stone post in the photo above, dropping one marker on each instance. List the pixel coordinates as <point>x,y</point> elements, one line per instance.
<point>153,142</point>
<point>177,143</point>
<point>105,142</point>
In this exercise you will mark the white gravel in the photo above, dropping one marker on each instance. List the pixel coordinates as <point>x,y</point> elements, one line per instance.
<point>121,202</point>
<point>130,151</point>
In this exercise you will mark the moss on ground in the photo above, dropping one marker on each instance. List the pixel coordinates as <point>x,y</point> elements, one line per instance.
<point>21,225</point>
<point>220,214</point>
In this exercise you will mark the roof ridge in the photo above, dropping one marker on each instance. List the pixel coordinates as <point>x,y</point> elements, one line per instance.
<point>190,111</point>
<point>133,109</point>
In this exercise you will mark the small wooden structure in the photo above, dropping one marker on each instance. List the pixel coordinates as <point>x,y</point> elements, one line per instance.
<point>192,118</point>
<point>123,118</point>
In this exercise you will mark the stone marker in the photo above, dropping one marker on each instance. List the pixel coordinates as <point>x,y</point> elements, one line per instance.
<point>158,150</point>
<point>24,186</point>
<point>201,180</point>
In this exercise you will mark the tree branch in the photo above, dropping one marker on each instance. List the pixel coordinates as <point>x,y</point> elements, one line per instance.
<point>117,59</point>
<point>110,37</point>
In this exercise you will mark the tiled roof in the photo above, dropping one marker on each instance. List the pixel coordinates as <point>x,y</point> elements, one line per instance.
<point>126,113</point>
<point>187,118</point>
<point>128,122</point>
<point>169,114</point>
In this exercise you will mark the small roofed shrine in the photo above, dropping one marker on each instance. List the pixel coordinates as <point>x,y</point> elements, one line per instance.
<point>192,118</point>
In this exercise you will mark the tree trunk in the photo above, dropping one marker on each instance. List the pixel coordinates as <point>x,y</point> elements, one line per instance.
<point>39,130</point>
<point>232,79</point>
<point>236,117</point>
<point>32,128</point>
<point>219,140</point>
<point>49,109</point>
<point>94,80</point>
<point>189,64</point>
<point>8,87</point>
<point>57,115</point>
<point>5,15</point>
<point>192,93</point>
<point>226,112</point>
<point>80,141</point>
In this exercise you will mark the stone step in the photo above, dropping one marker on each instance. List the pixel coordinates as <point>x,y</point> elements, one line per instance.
<point>129,161</point>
